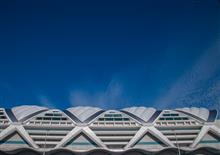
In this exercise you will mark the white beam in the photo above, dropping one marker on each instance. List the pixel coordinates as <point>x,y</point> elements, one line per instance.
<point>92,136</point>
<point>75,131</point>
<point>26,136</point>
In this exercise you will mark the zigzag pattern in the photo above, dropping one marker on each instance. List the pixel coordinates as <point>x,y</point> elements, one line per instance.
<point>88,129</point>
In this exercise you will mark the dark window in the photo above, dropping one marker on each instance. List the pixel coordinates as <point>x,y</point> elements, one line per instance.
<point>108,115</point>
<point>177,118</point>
<point>48,114</point>
<point>126,119</point>
<point>185,118</point>
<point>174,114</point>
<point>57,114</point>
<point>109,119</point>
<point>46,118</point>
<point>166,114</point>
<point>56,118</point>
<point>2,117</point>
<point>169,118</point>
<point>118,119</point>
<point>117,115</point>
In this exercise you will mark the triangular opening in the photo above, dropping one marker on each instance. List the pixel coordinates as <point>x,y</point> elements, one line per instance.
<point>81,141</point>
<point>210,139</point>
<point>14,140</point>
<point>149,141</point>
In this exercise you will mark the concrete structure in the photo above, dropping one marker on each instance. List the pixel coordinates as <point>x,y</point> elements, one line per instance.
<point>89,130</point>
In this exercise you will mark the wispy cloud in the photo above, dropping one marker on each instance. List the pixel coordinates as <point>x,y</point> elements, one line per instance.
<point>194,80</point>
<point>207,95</point>
<point>44,101</point>
<point>111,97</point>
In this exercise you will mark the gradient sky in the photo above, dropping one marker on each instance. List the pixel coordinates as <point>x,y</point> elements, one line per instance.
<point>111,54</point>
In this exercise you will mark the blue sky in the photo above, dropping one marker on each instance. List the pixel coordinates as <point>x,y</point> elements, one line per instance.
<point>111,54</point>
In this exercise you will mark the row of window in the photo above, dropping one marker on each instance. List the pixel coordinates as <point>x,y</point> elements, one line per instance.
<point>49,123</point>
<point>170,114</point>
<point>173,118</point>
<point>3,117</point>
<point>115,124</point>
<point>113,119</point>
<point>52,118</point>
<point>53,114</point>
<point>113,115</point>
<point>177,123</point>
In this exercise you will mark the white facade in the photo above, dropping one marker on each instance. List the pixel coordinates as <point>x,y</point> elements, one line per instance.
<point>89,129</point>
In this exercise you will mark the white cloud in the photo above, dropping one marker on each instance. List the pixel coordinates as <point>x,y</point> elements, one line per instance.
<point>44,101</point>
<point>206,96</point>
<point>108,98</point>
<point>191,81</point>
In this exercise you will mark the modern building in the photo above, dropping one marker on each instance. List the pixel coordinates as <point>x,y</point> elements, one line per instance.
<point>89,130</point>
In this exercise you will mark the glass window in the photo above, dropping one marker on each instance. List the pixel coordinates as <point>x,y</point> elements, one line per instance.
<point>177,118</point>
<point>118,119</point>
<point>174,114</point>
<point>2,117</point>
<point>117,115</point>
<point>184,118</point>
<point>126,119</point>
<point>169,118</point>
<point>56,118</point>
<point>108,119</point>
<point>57,114</point>
<point>47,118</point>
<point>108,115</point>
<point>48,114</point>
<point>166,114</point>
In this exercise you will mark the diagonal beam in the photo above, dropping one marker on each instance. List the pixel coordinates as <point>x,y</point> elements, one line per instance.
<point>20,129</point>
<point>140,133</point>
<point>6,132</point>
<point>205,129</point>
<point>201,134</point>
<point>86,130</point>
<point>143,130</point>
<point>154,131</point>
<point>75,131</point>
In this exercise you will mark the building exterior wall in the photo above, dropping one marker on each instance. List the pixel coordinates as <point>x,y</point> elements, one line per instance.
<point>81,130</point>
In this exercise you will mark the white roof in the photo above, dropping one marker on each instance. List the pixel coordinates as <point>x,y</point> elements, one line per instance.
<point>202,113</point>
<point>83,113</point>
<point>21,112</point>
<point>141,112</point>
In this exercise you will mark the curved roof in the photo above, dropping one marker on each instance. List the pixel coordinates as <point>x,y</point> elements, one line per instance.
<point>86,113</point>
<point>21,112</point>
<point>202,113</point>
<point>83,113</point>
<point>141,112</point>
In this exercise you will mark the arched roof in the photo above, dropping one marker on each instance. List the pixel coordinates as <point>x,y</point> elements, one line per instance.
<point>141,112</point>
<point>22,112</point>
<point>202,113</point>
<point>86,113</point>
<point>83,113</point>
